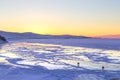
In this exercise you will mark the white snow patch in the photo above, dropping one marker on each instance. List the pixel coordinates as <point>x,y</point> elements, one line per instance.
<point>9,55</point>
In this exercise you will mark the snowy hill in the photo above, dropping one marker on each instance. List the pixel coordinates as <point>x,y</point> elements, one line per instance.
<point>29,35</point>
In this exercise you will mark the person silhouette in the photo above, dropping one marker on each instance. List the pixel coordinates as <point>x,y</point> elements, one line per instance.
<point>103,68</point>
<point>78,64</point>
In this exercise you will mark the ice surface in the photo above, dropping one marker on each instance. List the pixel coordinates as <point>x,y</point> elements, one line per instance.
<point>43,61</point>
<point>89,77</point>
<point>111,44</point>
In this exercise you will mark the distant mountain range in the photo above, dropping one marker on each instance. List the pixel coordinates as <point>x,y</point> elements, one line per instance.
<point>110,36</point>
<point>30,35</point>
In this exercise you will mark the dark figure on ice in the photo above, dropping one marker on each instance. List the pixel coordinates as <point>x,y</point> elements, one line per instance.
<point>78,64</point>
<point>103,68</point>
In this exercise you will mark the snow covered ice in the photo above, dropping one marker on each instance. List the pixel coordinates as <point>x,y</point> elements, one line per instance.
<point>37,60</point>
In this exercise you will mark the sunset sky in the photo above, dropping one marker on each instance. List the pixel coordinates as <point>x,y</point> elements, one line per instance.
<point>74,17</point>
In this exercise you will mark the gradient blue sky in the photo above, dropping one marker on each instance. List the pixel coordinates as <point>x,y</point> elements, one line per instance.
<point>75,17</point>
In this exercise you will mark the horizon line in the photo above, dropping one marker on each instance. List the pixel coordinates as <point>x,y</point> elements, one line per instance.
<point>97,36</point>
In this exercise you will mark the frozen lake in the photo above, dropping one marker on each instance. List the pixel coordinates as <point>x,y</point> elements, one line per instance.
<point>111,44</point>
<point>57,60</point>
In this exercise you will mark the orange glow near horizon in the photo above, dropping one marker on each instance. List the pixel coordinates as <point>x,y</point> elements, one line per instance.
<point>92,31</point>
<point>60,27</point>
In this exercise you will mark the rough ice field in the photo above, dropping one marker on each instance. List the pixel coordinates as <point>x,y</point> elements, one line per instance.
<point>37,61</point>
